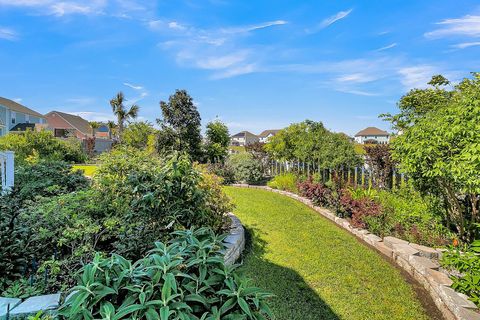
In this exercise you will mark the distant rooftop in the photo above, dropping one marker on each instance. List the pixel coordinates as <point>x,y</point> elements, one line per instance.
<point>265,133</point>
<point>17,107</point>
<point>372,131</point>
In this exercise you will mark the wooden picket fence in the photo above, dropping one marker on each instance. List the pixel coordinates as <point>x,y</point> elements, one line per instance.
<point>357,176</point>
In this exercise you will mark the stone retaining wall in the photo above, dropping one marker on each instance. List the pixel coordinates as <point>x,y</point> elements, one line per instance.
<point>419,261</point>
<point>235,243</point>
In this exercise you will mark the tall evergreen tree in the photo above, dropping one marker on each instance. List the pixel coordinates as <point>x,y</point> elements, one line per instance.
<point>183,123</point>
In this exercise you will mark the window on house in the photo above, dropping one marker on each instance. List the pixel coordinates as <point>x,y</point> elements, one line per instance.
<point>14,117</point>
<point>27,118</point>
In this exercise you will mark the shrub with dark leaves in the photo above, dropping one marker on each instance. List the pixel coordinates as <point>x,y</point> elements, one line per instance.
<point>358,209</point>
<point>317,192</point>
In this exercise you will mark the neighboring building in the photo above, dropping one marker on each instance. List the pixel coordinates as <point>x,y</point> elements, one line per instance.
<point>66,125</point>
<point>265,135</point>
<point>15,117</point>
<point>102,132</point>
<point>372,135</point>
<point>243,138</point>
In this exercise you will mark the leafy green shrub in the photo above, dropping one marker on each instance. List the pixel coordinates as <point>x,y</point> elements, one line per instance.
<point>465,264</point>
<point>32,146</point>
<point>286,181</point>
<point>185,279</point>
<point>33,182</point>
<point>247,169</point>
<point>223,170</point>
<point>154,197</point>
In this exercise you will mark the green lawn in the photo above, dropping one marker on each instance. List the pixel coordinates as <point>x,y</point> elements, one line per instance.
<point>315,269</point>
<point>88,169</point>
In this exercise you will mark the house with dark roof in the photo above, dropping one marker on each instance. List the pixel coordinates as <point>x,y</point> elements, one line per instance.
<point>243,138</point>
<point>15,117</point>
<point>372,135</point>
<point>266,134</point>
<point>65,125</point>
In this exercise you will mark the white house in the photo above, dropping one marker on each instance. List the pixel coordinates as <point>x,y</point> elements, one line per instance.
<point>16,117</point>
<point>243,138</point>
<point>266,134</point>
<point>372,135</point>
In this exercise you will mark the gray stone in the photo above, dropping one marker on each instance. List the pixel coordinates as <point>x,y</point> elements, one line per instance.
<point>467,314</point>
<point>371,239</point>
<point>8,304</point>
<point>422,264</point>
<point>390,241</point>
<point>454,299</point>
<point>34,304</point>
<point>380,246</point>
<point>401,249</point>
<point>425,251</point>
<point>436,278</point>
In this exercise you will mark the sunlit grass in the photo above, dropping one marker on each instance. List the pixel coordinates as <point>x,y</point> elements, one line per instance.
<point>315,269</point>
<point>88,169</point>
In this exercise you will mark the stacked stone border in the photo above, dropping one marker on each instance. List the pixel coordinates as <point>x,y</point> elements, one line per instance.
<point>418,261</point>
<point>16,308</point>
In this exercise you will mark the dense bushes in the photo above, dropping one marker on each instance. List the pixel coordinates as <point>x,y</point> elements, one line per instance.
<point>32,146</point>
<point>33,183</point>
<point>246,168</point>
<point>402,212</point>
<point>134,200</point>
<point>184,279</point>
<point>287,181</point>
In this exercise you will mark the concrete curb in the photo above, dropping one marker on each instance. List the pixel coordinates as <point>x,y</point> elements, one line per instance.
<point>420,262</point>
<point>235,240</point>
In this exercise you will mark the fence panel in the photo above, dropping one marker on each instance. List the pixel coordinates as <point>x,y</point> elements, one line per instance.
<point>7,173</point>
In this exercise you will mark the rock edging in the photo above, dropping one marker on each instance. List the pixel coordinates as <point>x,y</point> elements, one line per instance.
<point>419,261</point>
<point>235,244</point>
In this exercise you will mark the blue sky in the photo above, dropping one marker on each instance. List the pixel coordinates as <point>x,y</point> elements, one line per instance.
<point>254,64</point>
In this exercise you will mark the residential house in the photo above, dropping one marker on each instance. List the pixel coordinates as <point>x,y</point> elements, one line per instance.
<point>372,135</point>
<point>15,117</point>
<point>65,125</point>
<point>102,132</point>
<point>266,134</point>
<point>243,138</point>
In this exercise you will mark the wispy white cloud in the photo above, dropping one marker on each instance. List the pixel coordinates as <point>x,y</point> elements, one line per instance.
<point>464,45</point>
<point>142,92</point>
<point>8,34</point>
<point>358,92</point>
<point>390,46</point>
<point>356,78</point>
<point>59,8</point>
<point>133,86</point>
<point>417,76</point>
<point>218,49</point>
<point>94,116</point>
<point>330,20</point>
<point>468,25</point>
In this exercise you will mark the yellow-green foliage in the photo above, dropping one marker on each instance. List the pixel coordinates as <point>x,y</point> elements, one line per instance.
<point>88,169</point>
<point>286,181</point>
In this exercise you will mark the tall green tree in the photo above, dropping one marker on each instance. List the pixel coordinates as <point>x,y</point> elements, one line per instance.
<point>137,134</point>
<point>181,123</point>
<point>439,148</point>
<point>122,113</point>
<point>112,127</point>
<point>218,140</point>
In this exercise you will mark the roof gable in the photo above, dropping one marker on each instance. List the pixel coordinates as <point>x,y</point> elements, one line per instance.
<point>76,122</point>
<point>266,133</point>
<point>372,131</point>
<point>17,107</point>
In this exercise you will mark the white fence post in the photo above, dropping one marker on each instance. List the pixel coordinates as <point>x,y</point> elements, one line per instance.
<point>7,174</point>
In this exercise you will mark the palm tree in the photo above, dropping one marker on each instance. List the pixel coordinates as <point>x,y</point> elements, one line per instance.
<point>94,125</point>
<point>111,127</point>
<point>120,111</point>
